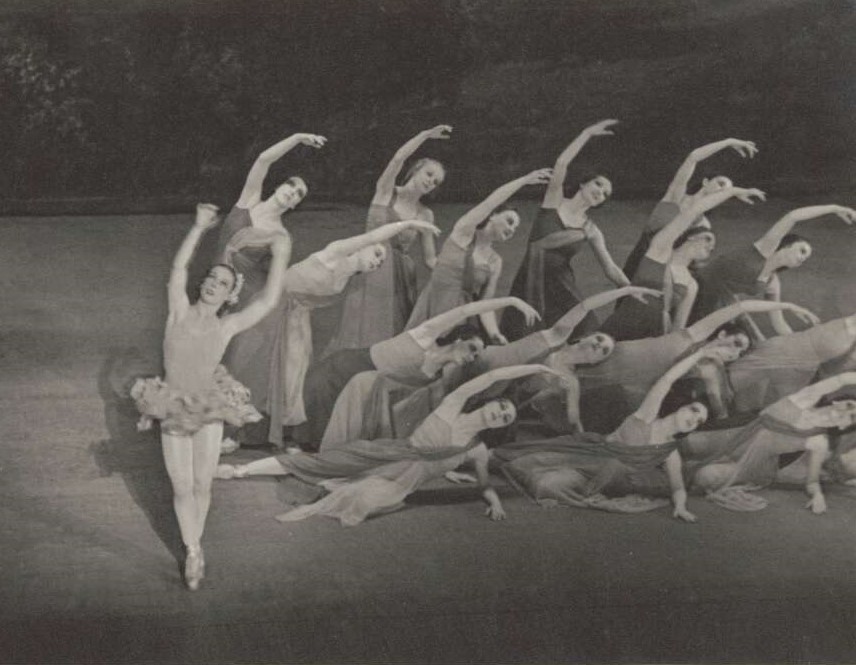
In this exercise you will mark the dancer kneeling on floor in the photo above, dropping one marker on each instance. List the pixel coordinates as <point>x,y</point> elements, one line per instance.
<point>370,477</point>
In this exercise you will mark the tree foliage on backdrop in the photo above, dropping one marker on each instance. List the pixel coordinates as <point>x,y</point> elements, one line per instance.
<point>146,104</point>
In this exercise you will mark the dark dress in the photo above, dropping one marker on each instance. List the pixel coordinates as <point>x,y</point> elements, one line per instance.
<point>585,470</point>
<point>546,279</point>
<point>726,277</point>
<point>633,319</point>
<point>663,213</point>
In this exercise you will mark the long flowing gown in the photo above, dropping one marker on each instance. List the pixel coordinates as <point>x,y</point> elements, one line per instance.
<point>782,365</point>
<point>248,355</point>
<point>272,357</point>
<point>616,387</point>
<point>586,470</point>
<point>633,319</point>
<point>663,213</point>
<point>400,358</point>
<point>546,279</point>
<point>366,478</point>
<point>725,278</point>
<point>375,405</point>
<point>457,280</point>
<point>377,305</point>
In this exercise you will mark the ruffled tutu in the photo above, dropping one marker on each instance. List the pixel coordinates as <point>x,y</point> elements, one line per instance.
<point>182,413</point>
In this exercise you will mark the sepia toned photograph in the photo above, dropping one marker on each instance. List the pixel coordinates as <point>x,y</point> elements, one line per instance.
<point>427,331</point>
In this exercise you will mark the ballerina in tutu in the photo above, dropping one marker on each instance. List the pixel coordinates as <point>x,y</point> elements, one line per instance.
<point>376,306</point>
<point>367,478</point>
<point>197,394</point>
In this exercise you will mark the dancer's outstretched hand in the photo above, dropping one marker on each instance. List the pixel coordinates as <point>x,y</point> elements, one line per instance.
<point>538,177</point>
<point>530,314</point>
<point>746,195</point>
<point>601,128</point>
<point>421,225</point>
<point>312,140</point>
<point>459,478</point>
<point>817,504</point>
<point>496,513</point>
<point>442,132</point>
<point>744,148</point>
<point>207,216</point>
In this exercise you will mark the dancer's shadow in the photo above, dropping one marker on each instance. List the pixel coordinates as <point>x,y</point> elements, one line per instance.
<point>136,456</point>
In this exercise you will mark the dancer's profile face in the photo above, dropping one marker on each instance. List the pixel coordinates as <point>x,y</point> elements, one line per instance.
<point>290,193</point>
<point>502,225</point>
<point>596,190</point>
<point>216,286</point>
<point>689,418</point>
<point>466,350</point>
<point>702,246</point>
<point>732,347</point>
<point>371,258</point>
<point>716,184</point>
<point>498,413</point>
<point>845,411</point>
<point>595,348</point>
<point>794,255</point>
<point>428,177</point>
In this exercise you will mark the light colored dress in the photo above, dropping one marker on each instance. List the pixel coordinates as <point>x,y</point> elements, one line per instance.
<point>780,366</point>
<point>457,280</point>
<point>366,478</point>
<point>613,389</point>
<point>377,304</point>
<point>401,358</point>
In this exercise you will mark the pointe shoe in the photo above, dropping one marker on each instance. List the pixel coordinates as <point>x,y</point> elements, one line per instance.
<point>193,569</point>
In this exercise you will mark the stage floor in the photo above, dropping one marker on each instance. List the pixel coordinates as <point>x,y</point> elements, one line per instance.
<point>89,564</point>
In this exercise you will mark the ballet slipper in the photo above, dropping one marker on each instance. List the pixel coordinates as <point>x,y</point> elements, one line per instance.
<point>193,565</point>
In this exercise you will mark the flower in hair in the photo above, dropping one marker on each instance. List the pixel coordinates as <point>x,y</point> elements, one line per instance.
<point>236,290</point>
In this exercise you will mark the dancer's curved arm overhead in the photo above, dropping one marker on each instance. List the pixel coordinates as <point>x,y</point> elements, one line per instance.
<point>348,246</point>
<point>769,242</point>
<point>704,328</point>
<point>465,228</point>
<point>678,188</point>
<point>555,189</point>
<point>385,186</point>
<point>252,192</point>
<point>441,324</point>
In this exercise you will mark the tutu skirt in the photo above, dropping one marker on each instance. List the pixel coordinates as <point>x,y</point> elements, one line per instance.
<point>183,413</point>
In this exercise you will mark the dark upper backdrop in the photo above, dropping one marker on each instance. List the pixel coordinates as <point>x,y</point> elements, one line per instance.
<point>153,104</point>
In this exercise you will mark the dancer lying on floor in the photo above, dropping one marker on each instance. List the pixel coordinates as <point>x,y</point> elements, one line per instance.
<point>366,478</point>
<point>413,358</point>
<point>373,405</point>
<point>583,470</point>
<point>197,393</point>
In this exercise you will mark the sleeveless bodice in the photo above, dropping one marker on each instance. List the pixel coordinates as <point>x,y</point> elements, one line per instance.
<point>547,222</point>
<point>381,215</point>
<point>632,432</point>
<point>435,435</point>
<point>401,358</point>
<point>190,356</point>
<point>315,280</point>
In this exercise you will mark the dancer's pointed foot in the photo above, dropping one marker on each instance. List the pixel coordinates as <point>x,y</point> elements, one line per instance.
<point>193,568</point>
